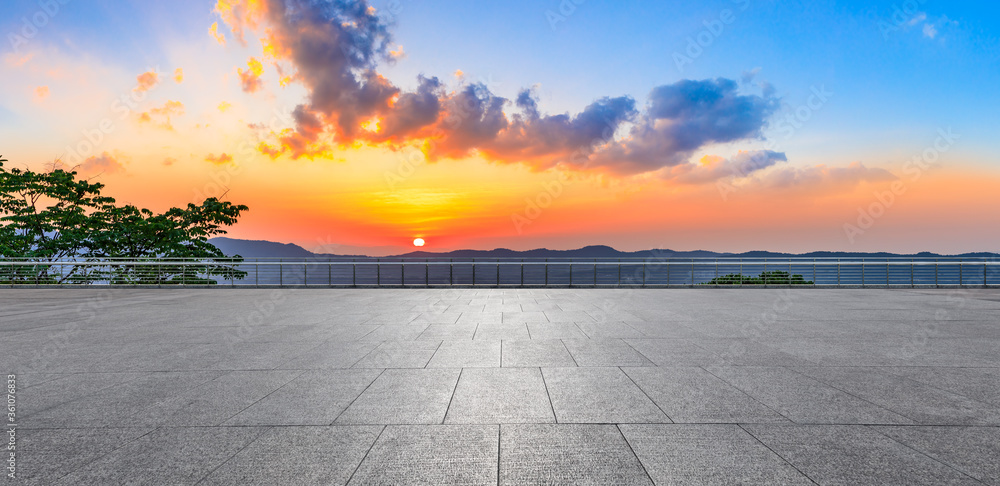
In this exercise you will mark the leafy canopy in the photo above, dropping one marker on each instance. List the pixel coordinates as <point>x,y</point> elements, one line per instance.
<point>47,217</point>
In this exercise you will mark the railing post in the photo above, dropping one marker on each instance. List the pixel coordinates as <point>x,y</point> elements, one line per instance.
<point>522,272</point>
<point>473,271</point>
<point>692,272</point>
<point>886,272</point>
<point>595,272</point>
<point>667,261</point>
<point>281,273</point>
<point>546,264</point>
<point>305,275</point>
<point>378,273</point>
<point>619,272</point>
<point>571,273</point>
<point>936,272</point>
<point>862,273</point>
<point>498,273</point>
<point>354,272</point>
<point>913,282</point>
<point>644,273</point>
<point>960,272</point>
<point>451,271</point>
<point>838,272</point>
<point>427,273</point>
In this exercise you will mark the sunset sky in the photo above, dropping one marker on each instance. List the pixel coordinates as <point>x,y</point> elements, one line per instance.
<point>354,126</point>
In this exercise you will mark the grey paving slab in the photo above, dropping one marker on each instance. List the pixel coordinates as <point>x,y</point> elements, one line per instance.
<point>674,352</point>
<point>982,384</point>
<point>917,401</point>
<point>605,352</point>
<point>466,354</point>
<point>599,395</point>
<point>401,396</point>
<point>497,332</point>
<point>555,330</point>
<point>693,395</point>
<point>803,399</point>
<point>494,396</point>
<point>431,455</point>
<point>399,354</point>
<point>175,455</point>
<point>330,355</point>
<point>115,406</point>
<point>707,454</point>
<point>315,397</point>
<point>971,450</point>
<point>536,353</point>
<point>299,455</point>
<point>567,454</point>
<point>46,455</point>
<point>851,454</point>
<point>170,386</point>
<point>215,401</point>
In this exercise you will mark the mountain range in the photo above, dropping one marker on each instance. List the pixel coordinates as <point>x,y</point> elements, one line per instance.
<point>270,249</point>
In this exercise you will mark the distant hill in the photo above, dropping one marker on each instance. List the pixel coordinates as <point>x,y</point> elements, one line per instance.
<point>270,249</point>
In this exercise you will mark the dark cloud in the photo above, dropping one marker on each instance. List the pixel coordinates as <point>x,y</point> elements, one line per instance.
<point>335,47</point>
<point>821,175</point>
<point>711,169</point>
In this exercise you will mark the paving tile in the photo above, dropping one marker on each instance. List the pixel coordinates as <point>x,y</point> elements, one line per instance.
<point>497,332</point>
<point>446,332</point>
<point>399,354</point>
<point>921,403</point>
<point>707,454</point>
<point>299,455</point>
<point>567,454</point>
<point>46,455</point>
<point>215,401</point>
<point>674,352</point>
<point>982,384</point>
<point>536,353</point>
<point>609,330</point>
<point>598,395</point>
<point>971,450</point>
<point>803,399</point>
<point>313,398</point>
<point>114,406</point>
<point>492,396</point>
<point>693,395</point>
<point>403,396</point>
<point>330,355</point>
<point>432,454</point>
<point>466,354</point>
<point>175,455</point>
<point>852,454</point>
<point>555,330</point>
<point>520,316</point>
<point>605,352</point>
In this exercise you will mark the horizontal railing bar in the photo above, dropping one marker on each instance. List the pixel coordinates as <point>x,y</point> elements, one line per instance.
<point>776,263</point>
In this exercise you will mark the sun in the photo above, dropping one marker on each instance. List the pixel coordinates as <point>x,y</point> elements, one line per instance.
<point>418,242</point>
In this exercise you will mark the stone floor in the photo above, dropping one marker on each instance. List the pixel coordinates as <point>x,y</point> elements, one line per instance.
<point>492,386</point>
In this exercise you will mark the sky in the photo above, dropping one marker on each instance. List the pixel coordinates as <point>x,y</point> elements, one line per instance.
<point>359,126</point>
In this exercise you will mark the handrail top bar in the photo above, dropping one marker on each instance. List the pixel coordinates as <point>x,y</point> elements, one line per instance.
<point>774,263</point>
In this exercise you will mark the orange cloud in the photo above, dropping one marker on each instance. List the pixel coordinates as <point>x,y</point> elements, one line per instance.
<point>214,32</point>
<point>101,164</point>
<point>224,107</point>
<point>161,116</point>
<point>220,159</point>
<point>178,75</point>
<point>250,79</point>
<point>42,92</point>
<point>146,81</point>
<point>169,161</point>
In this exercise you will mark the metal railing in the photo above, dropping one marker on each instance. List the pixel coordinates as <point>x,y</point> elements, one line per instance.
<point>481,272</point>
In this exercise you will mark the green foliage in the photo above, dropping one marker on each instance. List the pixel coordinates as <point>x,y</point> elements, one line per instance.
<point>50,217</point>
<point>765,278</point>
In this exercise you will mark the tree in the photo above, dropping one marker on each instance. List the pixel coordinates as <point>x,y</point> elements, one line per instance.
<point>766,278</point>
<point>50,217</point>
